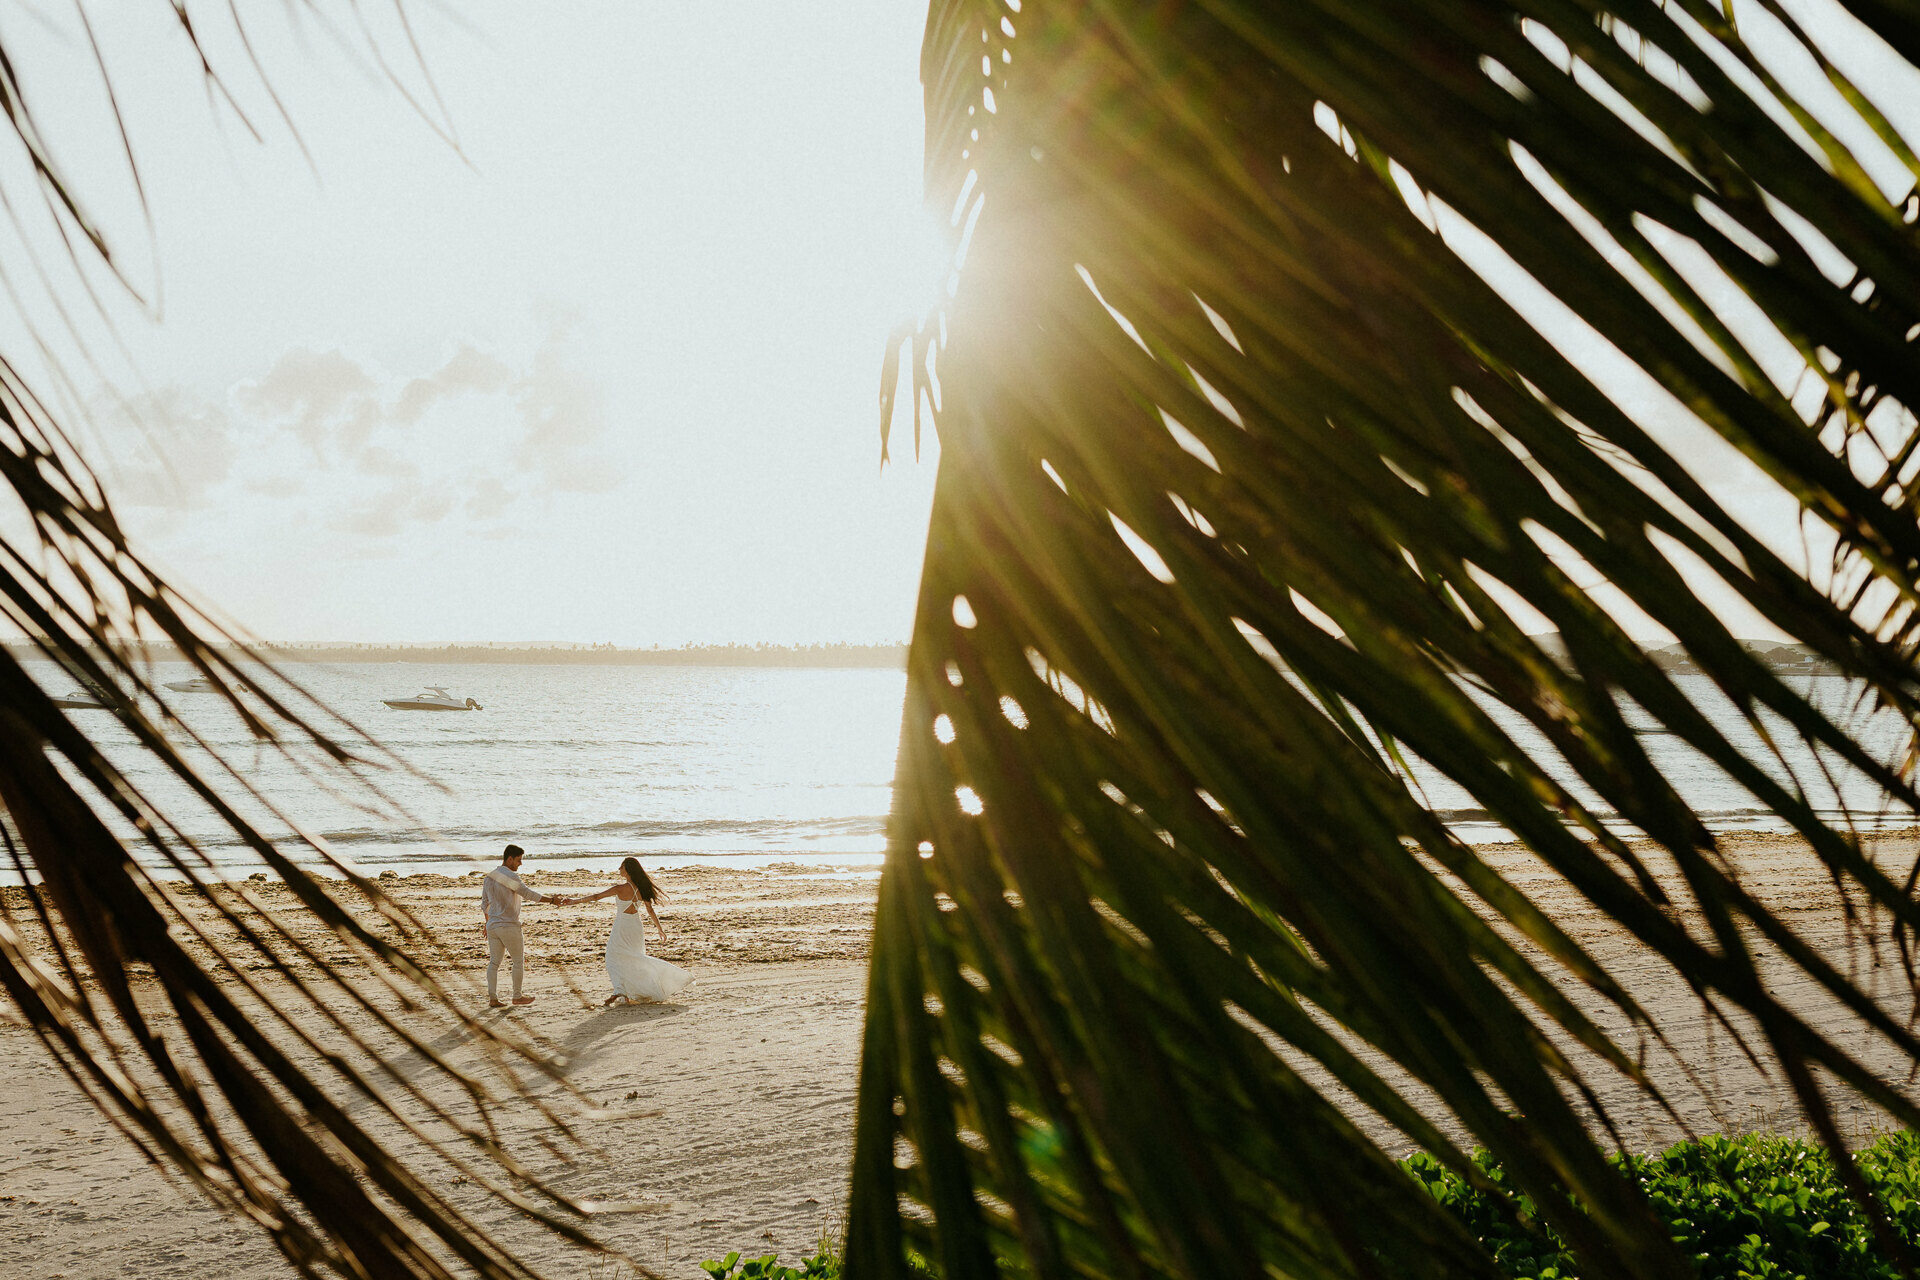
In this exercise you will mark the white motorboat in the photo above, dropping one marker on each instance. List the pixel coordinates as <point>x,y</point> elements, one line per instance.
<point>434,698</point>
<point>199,684</point>
<point>80,702</point>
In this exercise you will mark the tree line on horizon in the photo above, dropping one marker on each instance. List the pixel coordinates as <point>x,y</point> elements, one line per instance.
<point>758,653</point>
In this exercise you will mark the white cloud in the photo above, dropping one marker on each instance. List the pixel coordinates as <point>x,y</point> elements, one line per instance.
<point>368,453</point>
<point>565,416</point>
<point>168,450</point>
<point>467,369</point>
<point>325,398</point>
<point>489,499</point>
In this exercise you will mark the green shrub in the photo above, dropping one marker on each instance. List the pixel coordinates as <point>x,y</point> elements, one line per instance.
<point>1749,1208</point>
<point>821,1266</point>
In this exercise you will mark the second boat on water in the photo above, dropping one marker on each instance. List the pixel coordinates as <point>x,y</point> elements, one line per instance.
<point>433,699</point>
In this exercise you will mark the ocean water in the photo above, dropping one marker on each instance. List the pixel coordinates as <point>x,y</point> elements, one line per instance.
<point>580,765</point>
<point>1834,789</point>
<point>583,765</point>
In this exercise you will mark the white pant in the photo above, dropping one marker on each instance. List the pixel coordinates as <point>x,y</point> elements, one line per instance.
<point>503,938</point>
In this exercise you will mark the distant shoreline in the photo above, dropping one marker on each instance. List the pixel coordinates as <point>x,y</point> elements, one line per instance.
<point>1782,659</point>
<point>888,656</point>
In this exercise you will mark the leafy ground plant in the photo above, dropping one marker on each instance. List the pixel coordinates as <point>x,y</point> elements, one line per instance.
<point>1755,1206</point>
<point>822,1266</point>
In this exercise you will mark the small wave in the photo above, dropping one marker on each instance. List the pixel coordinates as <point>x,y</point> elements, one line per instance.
<point>1710,816</point>
<point>753,830</point>
<point>861,824</point>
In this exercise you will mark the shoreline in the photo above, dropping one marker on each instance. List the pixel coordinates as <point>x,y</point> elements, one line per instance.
<point>854,864</point>
<point>785,913</point>
<point>891,657</point>
<point>458,867</point>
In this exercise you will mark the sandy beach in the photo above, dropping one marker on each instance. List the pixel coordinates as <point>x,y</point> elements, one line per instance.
<point>727,1114</point>
<point>737,1136</point>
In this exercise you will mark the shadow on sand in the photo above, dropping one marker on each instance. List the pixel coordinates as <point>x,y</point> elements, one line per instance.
<point>582,1043</point>
<point>585,1042</point>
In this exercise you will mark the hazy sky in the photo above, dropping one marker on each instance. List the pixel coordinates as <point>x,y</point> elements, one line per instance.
<point>607,372</point>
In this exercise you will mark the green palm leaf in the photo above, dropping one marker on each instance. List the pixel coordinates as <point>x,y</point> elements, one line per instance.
<point>1246,471</point>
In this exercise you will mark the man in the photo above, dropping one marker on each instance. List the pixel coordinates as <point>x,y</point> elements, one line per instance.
<point>500,895</point>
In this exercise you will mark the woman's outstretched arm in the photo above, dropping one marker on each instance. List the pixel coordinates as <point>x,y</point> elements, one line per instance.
<point>612,888</point>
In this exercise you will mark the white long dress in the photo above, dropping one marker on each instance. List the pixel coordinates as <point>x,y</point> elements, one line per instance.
<point>633,973</point>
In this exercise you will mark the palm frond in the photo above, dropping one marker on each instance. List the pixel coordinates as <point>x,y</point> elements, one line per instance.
<point>1247,470</point>
<point>321,1096</point>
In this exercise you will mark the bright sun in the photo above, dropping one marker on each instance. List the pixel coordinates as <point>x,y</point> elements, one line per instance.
<point>922,262</point>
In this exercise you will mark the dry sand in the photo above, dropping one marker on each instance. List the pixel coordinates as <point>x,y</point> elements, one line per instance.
<point>751,1071</point>
<point>1705,1076</point>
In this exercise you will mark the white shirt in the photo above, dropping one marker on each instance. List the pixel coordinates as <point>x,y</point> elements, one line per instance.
<point>500,895</point>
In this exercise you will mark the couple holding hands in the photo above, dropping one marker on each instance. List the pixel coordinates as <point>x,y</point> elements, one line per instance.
<point>635,975</point>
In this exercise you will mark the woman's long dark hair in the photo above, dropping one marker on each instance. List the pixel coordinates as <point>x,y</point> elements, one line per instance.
<point>642,882</point>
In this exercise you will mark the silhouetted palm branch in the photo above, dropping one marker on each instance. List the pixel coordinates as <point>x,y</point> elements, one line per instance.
<point>1222,390</point>
<point>259,1068</point>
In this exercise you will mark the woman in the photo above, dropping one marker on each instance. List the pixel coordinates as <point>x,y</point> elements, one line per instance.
<point>635,974</point>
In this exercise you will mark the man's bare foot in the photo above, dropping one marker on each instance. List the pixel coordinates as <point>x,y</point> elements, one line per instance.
<point>496,1004</point>
<point>523,999</point>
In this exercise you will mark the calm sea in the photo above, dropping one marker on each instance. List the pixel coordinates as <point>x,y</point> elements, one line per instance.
<point>583,765</point>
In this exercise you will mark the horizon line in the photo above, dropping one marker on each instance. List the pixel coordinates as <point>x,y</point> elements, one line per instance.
<point>602,646</point>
